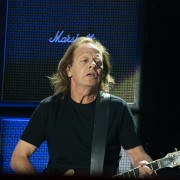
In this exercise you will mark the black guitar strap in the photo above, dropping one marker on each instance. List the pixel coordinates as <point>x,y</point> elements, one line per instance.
<point>99,134</point>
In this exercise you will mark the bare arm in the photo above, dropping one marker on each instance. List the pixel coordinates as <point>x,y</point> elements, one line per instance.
<point>20,158</point>
<point>139,158</point>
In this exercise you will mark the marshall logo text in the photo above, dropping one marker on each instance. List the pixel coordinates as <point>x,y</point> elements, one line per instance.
<point>60,38</point>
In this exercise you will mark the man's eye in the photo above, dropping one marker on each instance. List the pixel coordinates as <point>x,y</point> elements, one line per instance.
<point>99,63</point>
<point>84,60</point>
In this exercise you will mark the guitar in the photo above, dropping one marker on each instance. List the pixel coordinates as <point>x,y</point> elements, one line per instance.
<point>170,160</point>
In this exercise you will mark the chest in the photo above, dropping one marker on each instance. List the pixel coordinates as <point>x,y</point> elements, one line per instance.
<point>71,126</point>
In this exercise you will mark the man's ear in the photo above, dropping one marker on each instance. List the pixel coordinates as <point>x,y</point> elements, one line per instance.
<point>68,69</point>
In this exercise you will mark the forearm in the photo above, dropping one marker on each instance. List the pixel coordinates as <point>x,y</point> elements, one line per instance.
<point>22,165</point>
<point>141,157</point>
<point>138,154</point>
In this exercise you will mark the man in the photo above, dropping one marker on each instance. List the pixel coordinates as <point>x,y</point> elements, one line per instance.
<point>66,119</point>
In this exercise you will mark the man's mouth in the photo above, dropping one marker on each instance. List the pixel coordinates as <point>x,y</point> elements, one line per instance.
<point>93,75</point>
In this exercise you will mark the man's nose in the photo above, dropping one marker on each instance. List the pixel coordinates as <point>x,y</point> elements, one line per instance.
<point>92,64</point>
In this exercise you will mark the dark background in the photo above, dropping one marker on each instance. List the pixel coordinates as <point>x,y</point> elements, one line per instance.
<point>159,113</point>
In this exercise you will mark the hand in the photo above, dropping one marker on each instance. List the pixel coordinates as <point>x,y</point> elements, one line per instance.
<point>145,171</point>
<point>69,172</point>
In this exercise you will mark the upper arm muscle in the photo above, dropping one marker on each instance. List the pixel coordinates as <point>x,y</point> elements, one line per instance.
<point>24,148</point>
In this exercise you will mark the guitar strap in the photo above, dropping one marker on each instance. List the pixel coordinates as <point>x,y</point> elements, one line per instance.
<point>99,134</point>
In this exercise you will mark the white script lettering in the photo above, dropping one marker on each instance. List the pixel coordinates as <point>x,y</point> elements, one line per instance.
<point>60,38</point>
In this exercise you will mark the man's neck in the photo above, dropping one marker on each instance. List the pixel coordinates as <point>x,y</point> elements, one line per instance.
<point>84,96</point>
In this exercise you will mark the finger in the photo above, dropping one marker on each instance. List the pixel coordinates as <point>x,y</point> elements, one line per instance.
<point>142,172</point>
<point>70,172</point>
<point>147,169</point>
<point>143,162</point>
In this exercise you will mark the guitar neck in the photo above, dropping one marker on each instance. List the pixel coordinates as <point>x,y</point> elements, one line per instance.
<point>170,160</point>
<point>154,165</point>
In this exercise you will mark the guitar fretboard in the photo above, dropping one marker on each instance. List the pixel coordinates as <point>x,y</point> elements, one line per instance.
<point>170,160</point>
<point>134,173</point>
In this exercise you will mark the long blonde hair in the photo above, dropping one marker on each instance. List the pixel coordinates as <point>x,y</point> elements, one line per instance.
<point>60,80</point>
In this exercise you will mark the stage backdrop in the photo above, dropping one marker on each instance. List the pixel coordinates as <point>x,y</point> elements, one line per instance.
<point>38,33</point>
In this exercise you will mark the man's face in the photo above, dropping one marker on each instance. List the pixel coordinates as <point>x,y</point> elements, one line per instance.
<point>86,69</point>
